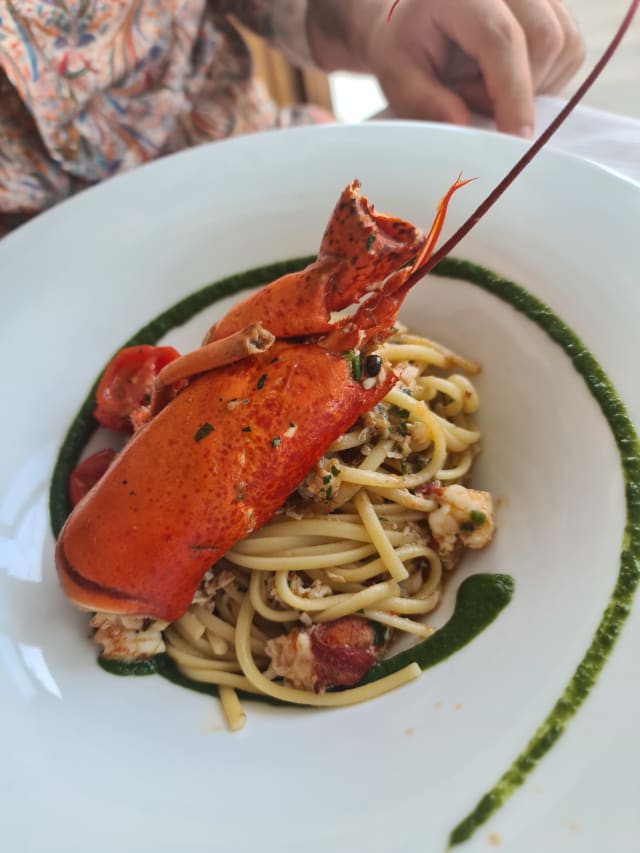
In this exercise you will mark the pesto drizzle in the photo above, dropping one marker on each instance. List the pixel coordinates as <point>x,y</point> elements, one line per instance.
<point>479,600</point>
<point>487,594</point>
<point>619,604</point>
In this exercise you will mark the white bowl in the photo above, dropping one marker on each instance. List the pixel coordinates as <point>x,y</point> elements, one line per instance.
<point>91,759</point>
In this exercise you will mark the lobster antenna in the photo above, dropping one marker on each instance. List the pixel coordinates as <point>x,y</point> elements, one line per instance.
<point>391,10</point>
<point>531,152</point>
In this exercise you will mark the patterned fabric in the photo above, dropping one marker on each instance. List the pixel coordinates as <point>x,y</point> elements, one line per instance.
<point>90,88</point>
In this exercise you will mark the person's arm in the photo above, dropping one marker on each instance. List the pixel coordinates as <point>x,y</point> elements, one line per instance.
<point>282,23</point>
<point>437,59</point>
<point>338,32</point>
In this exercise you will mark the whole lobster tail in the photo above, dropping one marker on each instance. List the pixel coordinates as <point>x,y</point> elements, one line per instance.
<point>211,467</point>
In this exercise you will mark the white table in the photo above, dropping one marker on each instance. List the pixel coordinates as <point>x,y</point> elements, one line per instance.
<point>611,140</point>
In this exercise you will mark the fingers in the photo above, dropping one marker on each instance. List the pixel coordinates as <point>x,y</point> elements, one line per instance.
<point>416,93</point>
<point>490,33</point>
<point>553,43</point>
<point>572,55</point>
<point>439,58</point>
<point>544,36</point>
<point>474,93</point>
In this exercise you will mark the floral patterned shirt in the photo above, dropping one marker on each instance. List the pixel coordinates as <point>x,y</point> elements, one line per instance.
<point>90,88</point>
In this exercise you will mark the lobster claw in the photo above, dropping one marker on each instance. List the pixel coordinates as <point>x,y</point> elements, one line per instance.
<point>364,257</point>
<point>360,247</point>
<point>364,246</point>
<point>377,311</point>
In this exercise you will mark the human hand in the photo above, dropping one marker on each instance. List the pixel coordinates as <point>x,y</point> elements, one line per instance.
<point>438,59</point>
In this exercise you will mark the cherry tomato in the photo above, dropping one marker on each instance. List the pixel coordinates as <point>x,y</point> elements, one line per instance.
<point>127,382</point>
<point>85,475</point>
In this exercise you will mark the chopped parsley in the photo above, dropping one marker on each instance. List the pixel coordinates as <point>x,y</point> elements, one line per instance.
<point>275,441</point>
<point>399,413</point>
<point>476,519</point>
<point>335,470</point>
<point>204,431</point>
<point>329,493</point>
<point>354,359</point>
<point>371,239</point>
<point>326,479</point>
<point>261,382</point>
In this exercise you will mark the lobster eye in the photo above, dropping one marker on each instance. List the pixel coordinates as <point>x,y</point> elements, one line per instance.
<point>373,365</point>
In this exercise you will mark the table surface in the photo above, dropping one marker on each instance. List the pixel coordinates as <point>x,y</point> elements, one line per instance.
<point>618,89</point>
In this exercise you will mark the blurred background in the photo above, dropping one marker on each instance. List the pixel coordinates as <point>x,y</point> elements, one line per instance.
<point>354,97</point>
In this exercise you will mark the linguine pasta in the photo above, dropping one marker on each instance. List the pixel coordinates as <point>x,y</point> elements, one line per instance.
<point>373,530</point>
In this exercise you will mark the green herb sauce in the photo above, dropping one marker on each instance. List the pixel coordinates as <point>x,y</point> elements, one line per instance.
<point>619,604</point>
<point>480,597</point>
<point>479,600</point>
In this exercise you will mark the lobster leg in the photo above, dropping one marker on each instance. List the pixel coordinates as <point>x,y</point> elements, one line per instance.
<point>252,340</point>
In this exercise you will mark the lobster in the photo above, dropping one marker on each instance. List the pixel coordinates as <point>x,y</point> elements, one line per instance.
<point>230,447</point>
<point>229,431</point>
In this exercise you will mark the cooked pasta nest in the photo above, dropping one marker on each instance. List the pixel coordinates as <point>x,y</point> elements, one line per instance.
<point>374,530</point>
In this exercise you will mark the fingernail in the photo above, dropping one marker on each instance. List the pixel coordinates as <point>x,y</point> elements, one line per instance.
<point>525,131</point>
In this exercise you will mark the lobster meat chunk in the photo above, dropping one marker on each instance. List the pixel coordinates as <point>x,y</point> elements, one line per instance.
<point>334,654</point>
<point>217,460</point>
